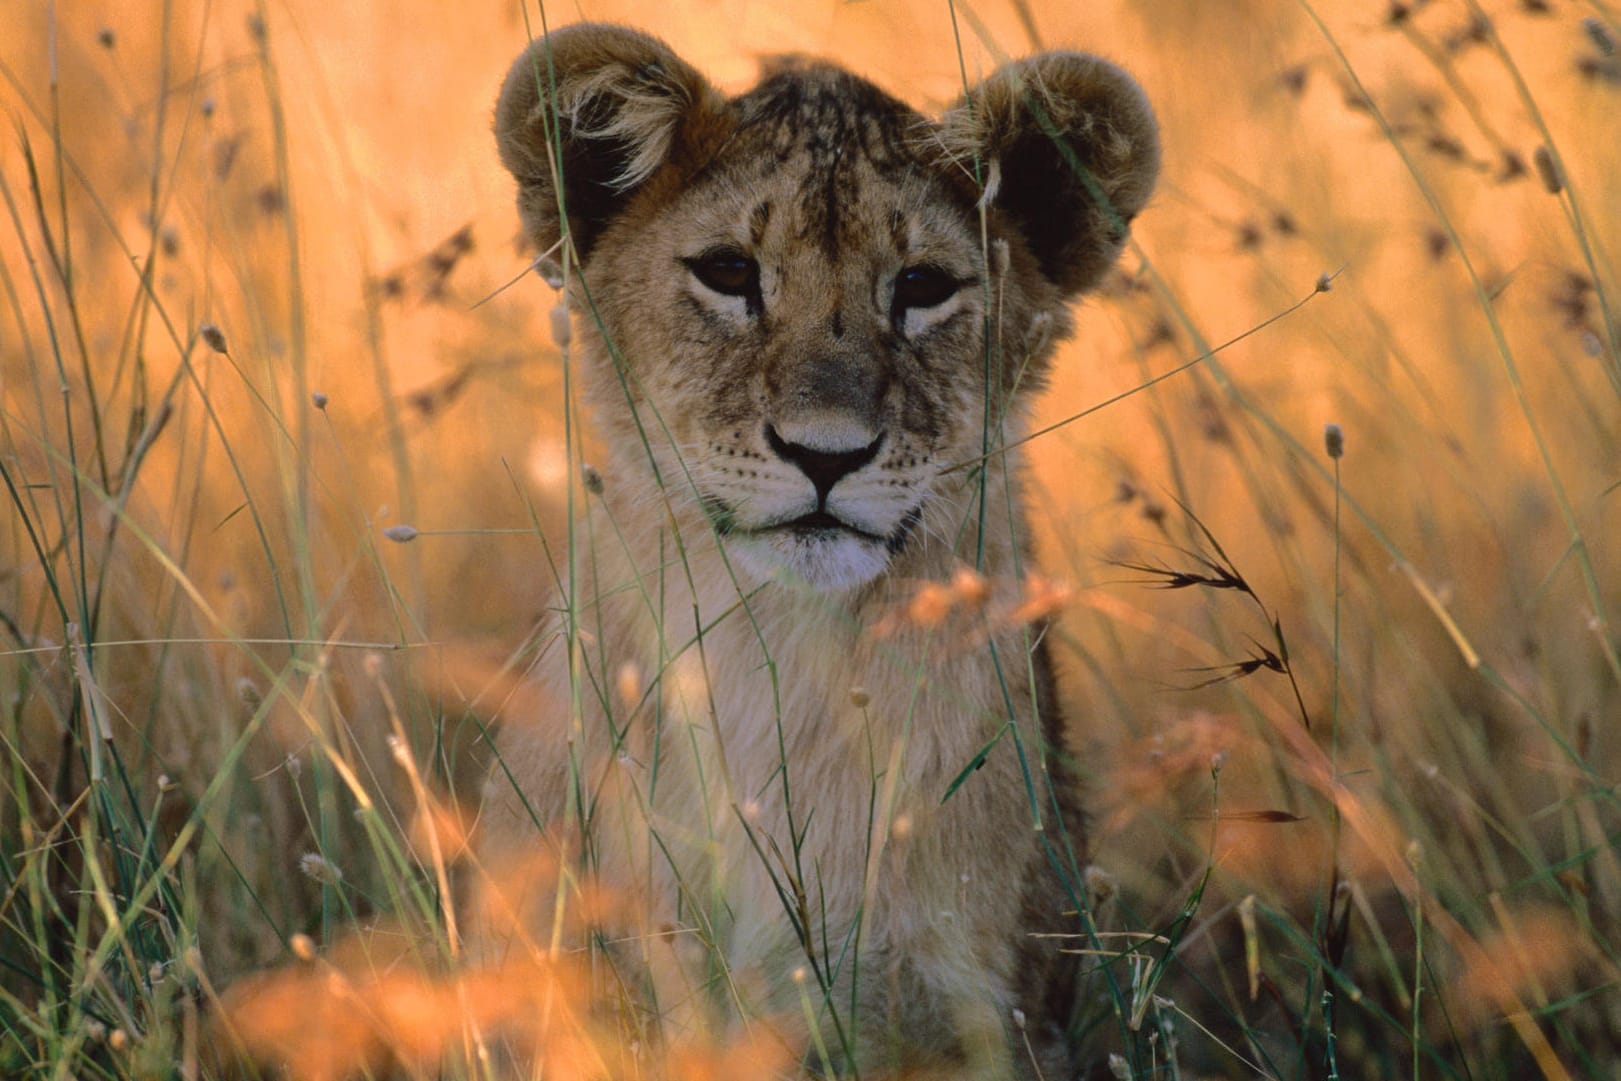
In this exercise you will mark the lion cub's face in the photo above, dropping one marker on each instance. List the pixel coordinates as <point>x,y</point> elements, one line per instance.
<point>810,329</point>
<point>795,283</point>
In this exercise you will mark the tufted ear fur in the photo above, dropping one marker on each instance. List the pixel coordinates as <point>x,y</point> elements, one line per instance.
<point>595,110</point>
<point>1071,151</point>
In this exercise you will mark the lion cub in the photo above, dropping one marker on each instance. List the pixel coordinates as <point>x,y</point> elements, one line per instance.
<point>809,321</point>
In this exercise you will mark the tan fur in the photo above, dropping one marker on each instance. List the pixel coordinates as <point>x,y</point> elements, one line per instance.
<point>704,737</point>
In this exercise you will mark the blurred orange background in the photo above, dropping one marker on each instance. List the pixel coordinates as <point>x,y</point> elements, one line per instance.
<point>318,180</point>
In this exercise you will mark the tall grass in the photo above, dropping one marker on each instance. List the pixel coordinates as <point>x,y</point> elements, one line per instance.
<point>1347,720</point>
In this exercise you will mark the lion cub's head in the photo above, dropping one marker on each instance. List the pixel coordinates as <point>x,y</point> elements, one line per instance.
<point>805,304</point>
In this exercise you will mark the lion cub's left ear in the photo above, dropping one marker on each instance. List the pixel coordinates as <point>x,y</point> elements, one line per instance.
<point>587,116</point>
<point>1070,150</point>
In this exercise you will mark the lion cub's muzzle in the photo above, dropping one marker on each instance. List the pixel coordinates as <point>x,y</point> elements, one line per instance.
<point>820,503</point>
<point>825,468</point>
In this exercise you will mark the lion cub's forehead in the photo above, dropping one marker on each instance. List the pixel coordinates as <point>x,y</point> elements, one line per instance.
<point>824,156</point>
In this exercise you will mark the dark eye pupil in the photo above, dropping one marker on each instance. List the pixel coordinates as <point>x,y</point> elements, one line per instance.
<point>923,287</point>
<point>727,272</point>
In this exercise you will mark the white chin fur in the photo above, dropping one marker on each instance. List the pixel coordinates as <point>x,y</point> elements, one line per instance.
<point>822,561</point>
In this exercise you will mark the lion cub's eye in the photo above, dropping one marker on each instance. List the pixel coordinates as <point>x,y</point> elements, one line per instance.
<point>727,271</point>
<point>923,286</point>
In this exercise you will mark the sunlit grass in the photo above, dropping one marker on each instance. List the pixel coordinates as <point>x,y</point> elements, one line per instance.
<point>1352,776</point>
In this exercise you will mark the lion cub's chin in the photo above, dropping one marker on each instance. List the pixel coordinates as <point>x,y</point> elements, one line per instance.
<point>824,560</point>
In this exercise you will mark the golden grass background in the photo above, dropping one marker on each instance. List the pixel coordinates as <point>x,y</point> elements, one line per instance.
<point>317,181</point>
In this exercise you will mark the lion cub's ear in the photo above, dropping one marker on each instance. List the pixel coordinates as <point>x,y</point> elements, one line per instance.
<point>594,110</point>
<point>1070,151</point>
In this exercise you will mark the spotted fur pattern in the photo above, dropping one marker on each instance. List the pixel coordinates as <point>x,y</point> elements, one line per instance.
<point>809,316</point>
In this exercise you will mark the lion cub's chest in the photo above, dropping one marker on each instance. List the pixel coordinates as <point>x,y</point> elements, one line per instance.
<point>799,760</point>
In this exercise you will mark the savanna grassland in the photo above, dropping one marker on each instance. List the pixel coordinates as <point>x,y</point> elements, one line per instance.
<point>1328,490</point>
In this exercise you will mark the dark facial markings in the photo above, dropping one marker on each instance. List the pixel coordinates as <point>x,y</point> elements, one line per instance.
<point>758,221</point>
<point>835,120</point>
<point>834,191</point>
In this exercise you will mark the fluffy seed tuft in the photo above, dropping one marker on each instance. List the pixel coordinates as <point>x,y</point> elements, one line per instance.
<point>321,869</point>
<point>562,333</point>
<point>249,693</point>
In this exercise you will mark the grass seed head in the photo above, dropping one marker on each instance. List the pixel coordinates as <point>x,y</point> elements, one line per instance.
<point>401,534</point>
<point>213,337</point>
<point>930,604</point>
<point>1334,441</point>
<point>562,333</point>
<point>1043,597</point>
<point>318,867</point>
<point>969,587</point>
<point>550,270</point>
<point>1599,35</point>
<point>249,694</point>
<point>1548,170</point>
<point>628,682</point>
<point>1101,886</point>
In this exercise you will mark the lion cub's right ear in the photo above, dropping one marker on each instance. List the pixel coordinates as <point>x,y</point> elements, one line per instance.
<point>587,115</point>
<point>1075,150</point>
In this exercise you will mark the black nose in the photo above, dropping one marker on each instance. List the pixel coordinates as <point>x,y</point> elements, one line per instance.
<point>824,468</point>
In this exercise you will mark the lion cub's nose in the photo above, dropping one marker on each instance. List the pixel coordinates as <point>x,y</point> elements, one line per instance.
<point>824,467</point>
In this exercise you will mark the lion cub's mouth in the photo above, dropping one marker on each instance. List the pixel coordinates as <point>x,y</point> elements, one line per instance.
<point>820,522</point>
<point>823,522</point>
<point>816,525</point>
